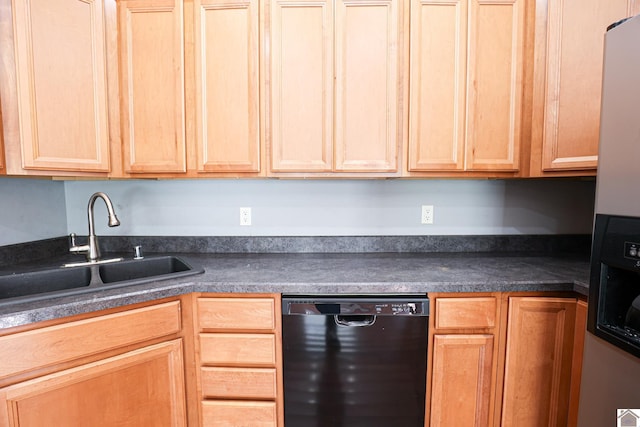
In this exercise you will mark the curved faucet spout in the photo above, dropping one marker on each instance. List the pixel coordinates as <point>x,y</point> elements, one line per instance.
<point>93,251</point>
<point>113,219</point>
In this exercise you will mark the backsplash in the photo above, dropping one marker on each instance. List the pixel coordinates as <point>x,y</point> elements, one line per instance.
<point>538,244</point>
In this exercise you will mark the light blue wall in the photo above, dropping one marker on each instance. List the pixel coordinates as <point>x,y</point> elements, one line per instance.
<point>335,207</point>
<point>31,209</point>
<point>34,209</point>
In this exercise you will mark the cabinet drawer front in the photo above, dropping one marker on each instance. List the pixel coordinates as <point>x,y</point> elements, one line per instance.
<point>465,312</point>
<point>237,313</point>
<point>243,383</point>
<point>238,349</point>
<point>239,414</point>
<point>68,341</point>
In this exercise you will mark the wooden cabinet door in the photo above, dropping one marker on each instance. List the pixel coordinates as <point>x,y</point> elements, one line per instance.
<point>466,87</point>
<point>227,85</point>
<point>539,354</point>
<point>494,84</point>
<point>368,45</point>
<point>142,388</point>
<point>61,92</point>
<point>437,85</point>
<point>462,377</point>
<point>301,95</point>
<point>575,32</point>
<point>152,86</point>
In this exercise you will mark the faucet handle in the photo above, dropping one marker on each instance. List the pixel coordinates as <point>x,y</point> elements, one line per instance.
<point>74,247</point>
<point>137,252</point>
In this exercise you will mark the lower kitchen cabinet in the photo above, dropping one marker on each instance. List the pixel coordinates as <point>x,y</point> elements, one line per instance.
<point>542,361</point>
<point>463,360</point>
<point>117,368</point>
<point>238,360</point>
<point>505,359</point>
<point>461,382</point>
<point>143,387</point>
<point>495,359</point>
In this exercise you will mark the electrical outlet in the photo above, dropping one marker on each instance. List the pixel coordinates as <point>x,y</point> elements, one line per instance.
<point>245,216</point>
<point>427,214</point>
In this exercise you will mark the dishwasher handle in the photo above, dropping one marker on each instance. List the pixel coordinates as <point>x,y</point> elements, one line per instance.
<point>354,321</point>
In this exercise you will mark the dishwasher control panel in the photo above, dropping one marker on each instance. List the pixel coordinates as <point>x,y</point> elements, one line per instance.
<point>380,306</point>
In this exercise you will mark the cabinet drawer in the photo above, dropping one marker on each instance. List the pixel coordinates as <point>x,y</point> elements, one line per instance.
<point>465,312</point>
<point>243,383</point>
<point>237,313</point>
<point>239,414</point>
<point>48,346</point>
<point>238,349</point>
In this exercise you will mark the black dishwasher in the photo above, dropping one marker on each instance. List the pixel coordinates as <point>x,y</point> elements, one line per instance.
<point>354,361</point>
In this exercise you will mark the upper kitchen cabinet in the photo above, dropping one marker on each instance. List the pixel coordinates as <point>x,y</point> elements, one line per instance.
<point>567,83</point>
<point>227,70</point>
<point>152,86</point>
<point>190,91</point>
<point>53,87</point>
<point>466,92</point>
<point>336,82</point>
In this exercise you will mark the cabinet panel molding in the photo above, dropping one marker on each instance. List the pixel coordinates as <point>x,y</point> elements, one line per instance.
<point>152,85</point>
<point>142,387</point>
<point>61,91</point>
<point>227,85</point>
<point>462,378</point>
<point>367,90</point>
<point>494,85</point>
<point>301,76</point>
<point>538,360</point>
<point>438,80</point>
<point>574,79</point>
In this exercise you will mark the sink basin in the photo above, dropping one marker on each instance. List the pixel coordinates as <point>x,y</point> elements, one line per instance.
<point>146,269</point>
<point>38,282</point>
<point>35,285</point>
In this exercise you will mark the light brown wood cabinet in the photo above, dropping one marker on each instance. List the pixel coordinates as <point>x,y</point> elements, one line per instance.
<point>123,367</point>
<point>53,87</point>
<point>542,347</point>
<point>466,85</point>
<point>239,360</point>
<point>463,360</point>
<point>567,83</point>
<point>190,88</point>
<point>151,52</point>
<point>505,359</point>
<point>336,78</point>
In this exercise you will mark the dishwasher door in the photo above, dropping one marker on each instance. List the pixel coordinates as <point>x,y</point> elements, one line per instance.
<point>351,362</point>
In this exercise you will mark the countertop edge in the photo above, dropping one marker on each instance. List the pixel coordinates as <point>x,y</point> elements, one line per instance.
<point>20,314</point>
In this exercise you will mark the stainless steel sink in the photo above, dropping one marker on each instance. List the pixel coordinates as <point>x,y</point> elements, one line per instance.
<point>47,283</point>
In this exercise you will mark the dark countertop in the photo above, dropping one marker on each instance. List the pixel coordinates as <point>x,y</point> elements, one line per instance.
<point>326,273</point>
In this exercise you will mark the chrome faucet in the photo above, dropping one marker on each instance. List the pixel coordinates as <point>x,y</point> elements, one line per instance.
<point>91,249</point>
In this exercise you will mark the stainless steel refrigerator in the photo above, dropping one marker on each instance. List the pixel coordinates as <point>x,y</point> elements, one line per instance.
<point>611,365</point>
